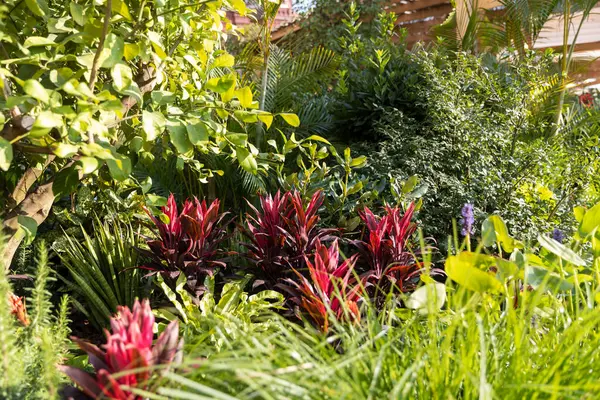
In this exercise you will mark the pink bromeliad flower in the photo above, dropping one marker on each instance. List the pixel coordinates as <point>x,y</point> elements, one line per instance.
<point>128,348</point>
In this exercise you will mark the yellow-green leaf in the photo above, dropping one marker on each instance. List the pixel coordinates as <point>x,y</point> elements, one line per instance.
<point>64,150</point>
<point>462,271</point>
<point>246,160</point>
<point>291,119</point>
<point>36,90</point>
<point>267,119</point>
<point>6,154</point>
<point>224,60</point>
<point>244,95</point>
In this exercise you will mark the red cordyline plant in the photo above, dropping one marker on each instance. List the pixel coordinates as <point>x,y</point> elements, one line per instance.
<point>128,348</point>
<point>385,249</point>
<point>281,233</point>
<point>330,289</point>
<point>188,243</point>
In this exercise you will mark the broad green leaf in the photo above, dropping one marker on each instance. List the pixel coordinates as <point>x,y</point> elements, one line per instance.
<point>246,160</point>
<point>179,136</point>
<point>38,7</point>
<point>238,139</point>
<point>61,76</point>
<point>64,150</point>
<point>131,51</point>
<point>36,90</point>
<point>197,133</point>
<point>33,41</point>
<point>161,97</point>
<point>590,221</point>
<point>77,13</point>
<point>28,226</point>
<point>135,92</point>
<point>221,84</point>
<point>122,76</point>
<point>116,48</point>
<point>494,230</point>
<point>6,154</point>
<point>410,184</point>
<point>88,164</point>
<point>156,201</point>
<point>65,182</point>
<point>245,116</point>
<point>267,119</point>
<point>358,162</point>
<point>244,95</point>
<point>44,123</point>
<point>120,7</point>
<point>421,298</point>
<point>240,7</point>
<point>153,124</point>
<point>291,119</point>
<point>224,60</point>
<point>536,277</point>
<point>119,167</point>
<point>561,250</point>
<point>463,272</point>
<point>157,45</point>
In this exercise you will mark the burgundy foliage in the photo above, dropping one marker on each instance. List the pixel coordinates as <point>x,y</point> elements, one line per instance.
<point>188,243</point>
<point>128,347</point>
<point>281,233</point>
<point>330,286</point>
<point>385,249</point>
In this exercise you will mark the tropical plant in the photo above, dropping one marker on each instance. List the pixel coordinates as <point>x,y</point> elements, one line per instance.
<point>31,349</point>
<point>80,105</point>
<point>103,271</point>
<point>188,244</point>
<point>221,317</point>
<point>128,347</point>
<point>282,234</point>
<point>332,288</point>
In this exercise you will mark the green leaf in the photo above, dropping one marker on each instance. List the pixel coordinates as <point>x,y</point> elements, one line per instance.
<point>122,76</point>
<point>224,60</point>
<point>179,137</point>
<point>120,7</point>
<point>156,201</point>
<point>153,124</point>
<point>462,271</point>
<point>88,164</point>
<point>358,162</point>
<point>44,123</point>
<point>64,150</point>
<point>131,51</point>
<point>590,221</point>
<point>38,7</point>
<point>36,90</point>
<point>239,139</point>
<point>536,277</point>
<point>157,45</point>
<point>291,119</point>
<point>77,13</point>
<point>221,84</point>
<point>561,250</point>
<point>246,160</point>
<point>33,41</point>
<point>410,184</point>
<point>161,97</point>
<point>197,133</point>
<point>317,138</point>
<point>267,119</point>
<point>244,95</point>
<point>28,226</point>
<point>116,48</point>
<point>65,182</point>
<point>421,298</point>
<point>60,76</point>
<point>119,167</point>
<point>494,230</point>
<point>6,154</point>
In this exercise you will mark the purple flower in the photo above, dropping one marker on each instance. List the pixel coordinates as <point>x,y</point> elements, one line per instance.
<point>468,220</point>
<point>558,235</point>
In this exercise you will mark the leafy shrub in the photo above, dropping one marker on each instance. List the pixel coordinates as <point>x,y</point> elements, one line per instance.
<point>31,349</point>
<point>188,244</point>
<point>128,347</point>
<point>103,269</point>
